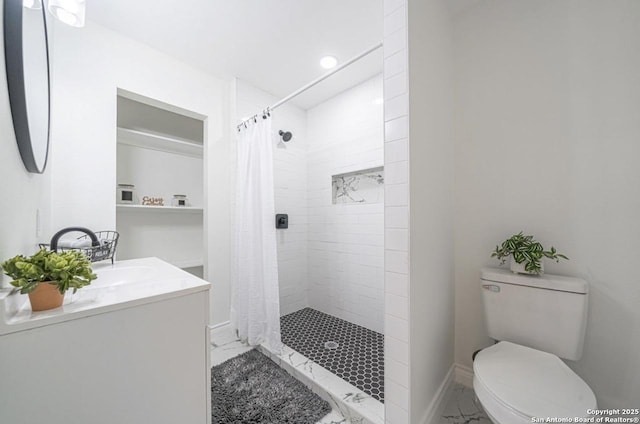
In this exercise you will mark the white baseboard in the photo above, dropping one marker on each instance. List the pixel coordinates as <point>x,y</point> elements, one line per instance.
<point>436,408</point>
<point>222,324</point>
<point>463,375</point>
<point>219,329</point>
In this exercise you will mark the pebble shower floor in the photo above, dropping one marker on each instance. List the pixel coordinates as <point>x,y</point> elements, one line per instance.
<point>358,357</point>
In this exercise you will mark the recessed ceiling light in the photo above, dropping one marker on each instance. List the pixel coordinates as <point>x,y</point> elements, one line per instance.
<point>328,62</point>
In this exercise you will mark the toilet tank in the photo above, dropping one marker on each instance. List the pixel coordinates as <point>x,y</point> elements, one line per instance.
<point>544,312</point>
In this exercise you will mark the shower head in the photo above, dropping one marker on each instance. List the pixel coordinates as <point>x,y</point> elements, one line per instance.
<point>286,136</point>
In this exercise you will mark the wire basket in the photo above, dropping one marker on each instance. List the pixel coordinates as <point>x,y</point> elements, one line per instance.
<point>106,250</point>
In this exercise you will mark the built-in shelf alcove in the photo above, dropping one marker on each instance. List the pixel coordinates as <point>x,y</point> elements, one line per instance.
<point>160,152</point>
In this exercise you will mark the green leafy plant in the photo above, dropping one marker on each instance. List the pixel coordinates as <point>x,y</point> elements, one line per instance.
<point>525,249</point>
<point>66,270</point>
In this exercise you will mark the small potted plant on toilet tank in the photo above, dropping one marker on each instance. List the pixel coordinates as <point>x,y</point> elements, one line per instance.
<point>526,254</point>
<point>47,275</point>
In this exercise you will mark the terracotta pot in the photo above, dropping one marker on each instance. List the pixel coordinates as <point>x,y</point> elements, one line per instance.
<point>45,296</point>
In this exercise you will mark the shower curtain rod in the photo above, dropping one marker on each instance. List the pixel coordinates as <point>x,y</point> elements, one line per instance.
<point>312,83</point>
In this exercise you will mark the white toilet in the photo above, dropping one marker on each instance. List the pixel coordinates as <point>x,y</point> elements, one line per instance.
<point>536,320</point>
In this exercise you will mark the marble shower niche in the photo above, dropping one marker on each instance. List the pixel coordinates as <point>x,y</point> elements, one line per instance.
<point>363,186</point>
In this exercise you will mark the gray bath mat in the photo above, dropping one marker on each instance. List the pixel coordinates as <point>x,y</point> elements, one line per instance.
<point>251,388</point>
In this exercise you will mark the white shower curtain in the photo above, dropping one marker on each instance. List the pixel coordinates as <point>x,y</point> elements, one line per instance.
<point>255,303</point>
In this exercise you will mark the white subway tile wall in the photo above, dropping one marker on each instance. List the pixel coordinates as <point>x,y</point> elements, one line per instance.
<point>395,41</point>
<point>396,306</point>
<point>398,394</point>
<point>346,241</point>
<point>396,217</point>
<point>399,370</point>
<point>397,173</point>
<point>393,413</point>
<point>396,85</point>
<point>397,284</point>
<point>396,239</point>
<point>396,128</point>
<point>396,151</point>
<point>395,20</point>
<point>396,107</point>
<point>395,63</point>
<point>290,198</point>
<point>396,194</point>
<point>396,245</point>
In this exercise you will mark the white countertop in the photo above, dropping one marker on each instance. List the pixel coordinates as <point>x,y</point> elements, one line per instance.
<point>124,284</point>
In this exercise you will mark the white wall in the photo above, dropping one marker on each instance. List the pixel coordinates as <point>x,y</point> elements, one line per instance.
<point>547,107</point>
<point>88,66</point>
<point>175,236</point>
<point>21,194</point>
<point>158,173</point>
<point>431,203</point>
<point>290,180</point>
<point>346,241</point>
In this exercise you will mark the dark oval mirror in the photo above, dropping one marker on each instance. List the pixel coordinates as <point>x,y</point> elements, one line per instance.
<point>27,60</point>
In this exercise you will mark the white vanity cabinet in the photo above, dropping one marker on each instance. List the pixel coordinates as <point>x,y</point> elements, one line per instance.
<point>134,355</point>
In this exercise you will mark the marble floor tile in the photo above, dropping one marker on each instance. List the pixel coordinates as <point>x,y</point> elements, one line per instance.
<point>463,408</point>
<point>334,417</point>
<point>230,350</point>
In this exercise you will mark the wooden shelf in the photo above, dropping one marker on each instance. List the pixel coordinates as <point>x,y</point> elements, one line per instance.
<point>171,209</point>
<point>163,143</point>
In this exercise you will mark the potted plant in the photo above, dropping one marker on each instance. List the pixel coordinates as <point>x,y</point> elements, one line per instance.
<point>47,275</point>
<point>526,254</point>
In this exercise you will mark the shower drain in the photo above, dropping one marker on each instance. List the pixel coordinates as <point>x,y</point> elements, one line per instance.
<point>331,345</point>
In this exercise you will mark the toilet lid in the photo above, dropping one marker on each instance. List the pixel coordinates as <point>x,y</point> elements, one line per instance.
<point>532,382</point>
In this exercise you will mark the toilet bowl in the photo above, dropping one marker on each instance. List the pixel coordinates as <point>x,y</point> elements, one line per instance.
<point>515,384</point>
